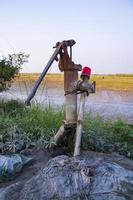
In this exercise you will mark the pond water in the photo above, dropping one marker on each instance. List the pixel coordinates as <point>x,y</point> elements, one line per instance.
<point>104,103</point>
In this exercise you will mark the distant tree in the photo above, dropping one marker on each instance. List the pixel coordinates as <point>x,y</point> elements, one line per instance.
<point>10,67</point>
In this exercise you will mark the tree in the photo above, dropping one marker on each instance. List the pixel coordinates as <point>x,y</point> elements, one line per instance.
<point>10,68</point>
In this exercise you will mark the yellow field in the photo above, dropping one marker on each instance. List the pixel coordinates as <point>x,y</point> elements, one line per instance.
<point>110,82</point>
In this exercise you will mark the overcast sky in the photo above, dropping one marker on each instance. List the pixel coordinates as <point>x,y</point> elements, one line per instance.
<point>103,30</point>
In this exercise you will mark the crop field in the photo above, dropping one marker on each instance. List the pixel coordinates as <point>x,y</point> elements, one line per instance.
<point>116,82</point>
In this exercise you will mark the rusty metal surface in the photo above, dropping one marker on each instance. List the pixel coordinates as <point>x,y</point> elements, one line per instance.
<point>61,48</point>
<point>65,62</point>
<point>70,77</point>
<point>68,43</point>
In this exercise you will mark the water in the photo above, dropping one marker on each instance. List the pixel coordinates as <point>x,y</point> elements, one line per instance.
<point>105,103</point>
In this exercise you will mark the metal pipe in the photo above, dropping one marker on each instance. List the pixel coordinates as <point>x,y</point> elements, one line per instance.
<point>59,135</point>
<point>70,77</point>
<point>79,124</point>
<point>70,104</point>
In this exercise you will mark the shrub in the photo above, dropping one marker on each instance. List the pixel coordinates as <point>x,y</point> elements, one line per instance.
<point>10,67</point>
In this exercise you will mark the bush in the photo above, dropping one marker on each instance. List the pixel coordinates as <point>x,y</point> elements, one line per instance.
<point>10,67</point>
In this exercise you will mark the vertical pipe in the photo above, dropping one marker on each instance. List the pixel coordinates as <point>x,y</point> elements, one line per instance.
<point>79,124</point>
<point>71,99</point>
<point>70,76</point>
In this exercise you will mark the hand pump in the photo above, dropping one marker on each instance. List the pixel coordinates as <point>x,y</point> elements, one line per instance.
<point>70,70</point>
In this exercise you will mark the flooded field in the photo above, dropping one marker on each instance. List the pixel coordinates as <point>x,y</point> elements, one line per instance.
<point>105,102</point>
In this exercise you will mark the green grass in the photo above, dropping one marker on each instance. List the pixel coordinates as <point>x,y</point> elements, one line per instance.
<point>108,136</point>
<point>36,123</point>
<point>22,127</point>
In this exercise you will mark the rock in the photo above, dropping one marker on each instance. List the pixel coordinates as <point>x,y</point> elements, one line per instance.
<point>111,182</point>
<point>63,178</point>
<point>67,178</point>
<point>91,176</point>
<point>11,165</point>
<point>10,192</point>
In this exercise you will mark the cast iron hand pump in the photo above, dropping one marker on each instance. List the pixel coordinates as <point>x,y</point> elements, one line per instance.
<point>71,123</point>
